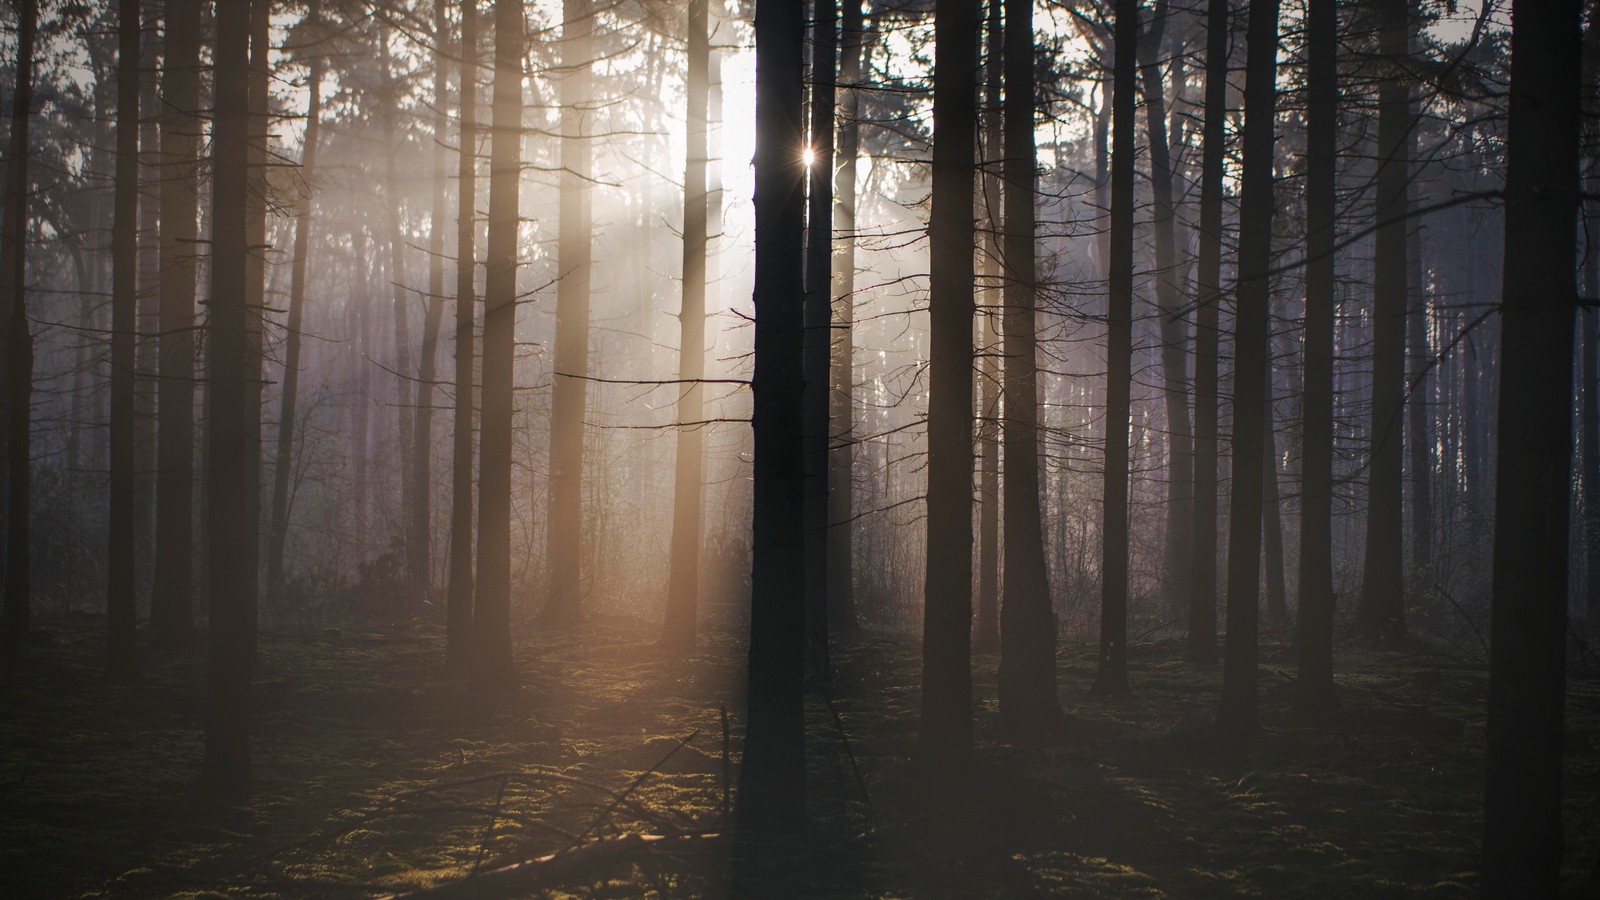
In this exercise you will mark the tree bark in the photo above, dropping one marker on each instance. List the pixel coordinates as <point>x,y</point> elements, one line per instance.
<point>986,631</point>
<point>458,613</point>
<point>1522,836</point>
<point>1250,395</point>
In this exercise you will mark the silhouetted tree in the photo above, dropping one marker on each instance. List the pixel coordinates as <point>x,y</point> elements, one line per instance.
<point>458,614</point>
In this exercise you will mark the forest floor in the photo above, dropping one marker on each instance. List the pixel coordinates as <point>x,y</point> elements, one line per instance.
<point>377,773</point>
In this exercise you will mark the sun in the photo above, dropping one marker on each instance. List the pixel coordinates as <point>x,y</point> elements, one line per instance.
<point>810,156</point>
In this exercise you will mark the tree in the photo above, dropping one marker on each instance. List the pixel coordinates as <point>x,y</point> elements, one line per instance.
<point>986,630</point>
<point>232,441</point>
<point>772,778</point>
<point>1522,835</point>
<point>1202,643</point>
<point>1314,628</point>
<point>458,614</point>
<point>1112,678</point>
<point>570,386</point>
<point>493,670</point>
<point>683,586</point>
<point>278,528</point>
<point>945,740</point>
<point>122,637</point>
<point>1251,369</point>
<point>1381,613</point>
<point>173,594</point>
<point>1028,703</point>
<point>18,337</point>
<point>818,327</point>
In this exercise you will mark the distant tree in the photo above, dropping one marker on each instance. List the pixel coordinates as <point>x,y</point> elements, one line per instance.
<point>1381,613</point>
<point>986,629</point>
<point>1522,834</point>
<point>1202,643</point>
<point>232,440</point>
<point>493,670</point>
<point>1314,629</point>
<point>173,596</point>
<point>18,338</point>
<point>1251,369</point>
<point>122,638</point>
<point>458,615</point>
<point>946,727</point>
<point>1028,703</point>
<point>1111,680</point>
<point>569,384</point>
<point>683,583</point>
<point>772,778</point>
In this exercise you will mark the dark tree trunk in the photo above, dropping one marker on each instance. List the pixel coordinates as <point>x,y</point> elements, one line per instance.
<point>1381,614</point>
<point>683,584</point>
<point>1174,365</point>
<point>493,670</point>
<point>459,603</point>
<point>570,391</point>
<point>986,630</point>
<point>1419,410</point>
<point>1202,643</point>
<point>173,596</point>
<point>18,370</point>
<point>772,785</point>
<point>841,469</point>
<point>1112,678</point>
<point>1276,592</point>
<point>818,322</point>
<point>1250,395</point>
<point>283,468</point>
<point>1590,379</point>
<point>1314,629</point>
<point>1028,704</point>
<point>1522,836</point>
<point>946,727</point>
<point>232,438</point>
<point>255,288</point>
<point>401,297</point>
<point>122,639</point>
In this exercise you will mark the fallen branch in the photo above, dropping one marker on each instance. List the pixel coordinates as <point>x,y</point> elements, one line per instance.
<point>523,878</point>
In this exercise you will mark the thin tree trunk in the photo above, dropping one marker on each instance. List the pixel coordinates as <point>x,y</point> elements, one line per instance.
<point>1028,703</point>
<point>1522,835</point>
<point>841,470</point>
<point>283,468</point>
<point>493,670</point>
<point>1111,680</point>
<point>570,387</point>
<point>683,584</point>
<point>1419,409</point>
<point>772,786</point>
<point>1202,643</point>
<point>986,631</point>
<point>1251,370</point>
<point>1276,599</point>
<point>255,284</point>
<point>818,316</point>
<point>232,438</point>
<point>946,725</point>
<point>459,603</point>
<point>1590,379</point>
<point>122,640</point>
<point>1314,629</point>
<point>18,369</point>
<point>1381,613</point>
<point>400,292</point>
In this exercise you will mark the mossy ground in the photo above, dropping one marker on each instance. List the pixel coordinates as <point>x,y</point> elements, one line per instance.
<point>377,772</point>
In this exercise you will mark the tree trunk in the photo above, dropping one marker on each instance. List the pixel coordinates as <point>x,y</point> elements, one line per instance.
<point>255,284</point>
<point>18,337</point>
<point>818,316</point>
<point>401,295</point>
<point>1111,680</point>
<point>458,612</point>
<point>683,584</point>
<point>230,471</point>
<point>946,726</point>
<point>493,670</point>
<point>1028,703</point>
<point>283,467</point>
<point>1419,409</point>
<point>841,470</point>
<point>1314,628</point>
<point>1522,836</point>
<point>1174,366</point>
<point>772,786</point>
<point>1250,395</point>
<point>1276,599</point>
<point>1590,379</point>
<point>122,639</point>
<point>570,389</point>
<point>1381,614</point>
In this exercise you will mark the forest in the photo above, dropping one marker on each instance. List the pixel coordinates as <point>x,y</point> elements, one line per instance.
<point>799,448</point>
